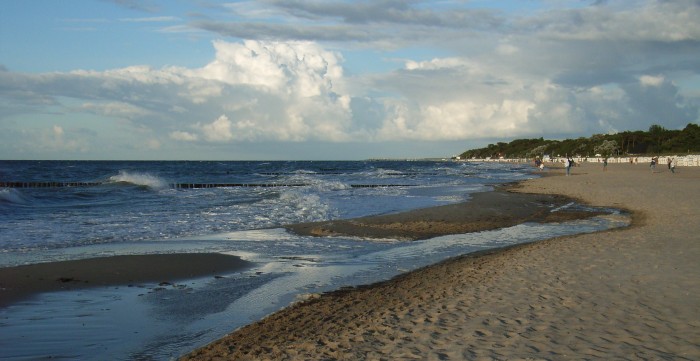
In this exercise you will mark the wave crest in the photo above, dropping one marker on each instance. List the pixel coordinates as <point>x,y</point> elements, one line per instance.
<point>12,196</point>
<point>140,179</point>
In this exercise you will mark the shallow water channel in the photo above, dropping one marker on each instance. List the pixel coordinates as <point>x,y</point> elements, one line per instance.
<point>161,322</point>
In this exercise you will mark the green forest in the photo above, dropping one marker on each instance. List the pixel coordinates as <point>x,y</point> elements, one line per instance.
<point>656,141</point>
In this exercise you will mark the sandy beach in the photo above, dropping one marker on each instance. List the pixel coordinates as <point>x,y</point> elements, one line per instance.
<point>630,293</point>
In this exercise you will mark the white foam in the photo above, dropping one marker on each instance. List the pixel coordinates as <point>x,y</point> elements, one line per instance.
<point>273,234</point>
<point>388,173</point>
<point>563,207</point>
<point>316,181</point>
<point>140,179</point>
<point>12,196</point>
<point>298,206</point>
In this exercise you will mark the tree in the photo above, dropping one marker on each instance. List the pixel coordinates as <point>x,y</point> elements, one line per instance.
<point>656,140</point>
<point>655,129</point>
<point>607,148</point>
<point>537,151</point>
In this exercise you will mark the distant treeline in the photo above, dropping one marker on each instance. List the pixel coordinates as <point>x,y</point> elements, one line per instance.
<point>657,141</point>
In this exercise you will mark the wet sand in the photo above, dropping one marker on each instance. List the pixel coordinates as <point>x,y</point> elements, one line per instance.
<point>632,293</point>
<point>21,282</point>
<point>484,211</point>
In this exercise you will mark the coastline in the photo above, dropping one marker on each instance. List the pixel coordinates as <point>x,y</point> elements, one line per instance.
<point>488,210</point>
<point>20,282</point>
<point>485,211</point>
<point>631,291</point>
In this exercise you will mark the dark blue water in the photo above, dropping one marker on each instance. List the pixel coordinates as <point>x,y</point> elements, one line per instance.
<point>137,208</point>
<point>137,201</point>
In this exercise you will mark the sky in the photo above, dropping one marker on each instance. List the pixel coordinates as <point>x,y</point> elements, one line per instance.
<point>336,80</point>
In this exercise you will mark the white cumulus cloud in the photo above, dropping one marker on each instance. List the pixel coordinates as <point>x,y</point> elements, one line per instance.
<point>649,80</point>
<point>217,131</point>
<point>183,136</point>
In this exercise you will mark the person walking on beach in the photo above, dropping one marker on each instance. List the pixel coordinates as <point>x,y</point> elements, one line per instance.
<point>568,163</point>
<point>673,165</point>
<point>669,162</point>
<point>605,164</point>
<point>653,164</point>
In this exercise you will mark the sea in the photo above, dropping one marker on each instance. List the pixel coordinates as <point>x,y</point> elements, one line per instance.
<point>65,210</point>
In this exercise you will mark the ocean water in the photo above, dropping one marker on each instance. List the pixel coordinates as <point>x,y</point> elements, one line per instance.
<point>138,201</point>
<point>111,208</point>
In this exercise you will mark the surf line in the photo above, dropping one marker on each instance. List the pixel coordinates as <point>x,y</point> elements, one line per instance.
<point>182,185</point>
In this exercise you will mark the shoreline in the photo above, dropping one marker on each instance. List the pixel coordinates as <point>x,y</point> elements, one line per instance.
<point>485,211</point>
<point>631,291</point>
<point>21,282</point>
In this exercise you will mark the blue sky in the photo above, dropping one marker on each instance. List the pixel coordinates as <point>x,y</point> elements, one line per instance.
<point>200,79</point>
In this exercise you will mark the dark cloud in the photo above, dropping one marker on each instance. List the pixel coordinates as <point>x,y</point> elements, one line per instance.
<point>139,5</point>
<point>660,104</point>
<point>365,22</point>
<point>266,31</point>
<point>392,12</point>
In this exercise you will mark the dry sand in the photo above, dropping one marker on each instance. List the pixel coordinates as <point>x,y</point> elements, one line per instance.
<point>17,283</point>
<point>624,294</point>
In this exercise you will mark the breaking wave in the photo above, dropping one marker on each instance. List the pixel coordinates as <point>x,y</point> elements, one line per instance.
<point>12,196</point>
<point>140,179</point>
